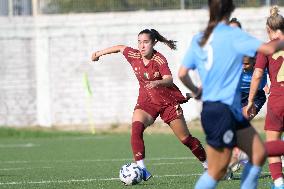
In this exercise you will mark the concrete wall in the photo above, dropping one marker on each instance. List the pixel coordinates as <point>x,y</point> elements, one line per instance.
<point>43,60</point>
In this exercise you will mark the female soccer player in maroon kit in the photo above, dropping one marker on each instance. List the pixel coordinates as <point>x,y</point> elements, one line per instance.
<point>158,95</point>
<point>274,122</point>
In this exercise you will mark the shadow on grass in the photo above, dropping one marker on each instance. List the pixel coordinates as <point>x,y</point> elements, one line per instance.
<point>262,176</point>
<point>160,184</point>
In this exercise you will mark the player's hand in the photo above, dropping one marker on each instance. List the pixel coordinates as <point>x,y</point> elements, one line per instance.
<point>189,96</point>
<point>196,95</point>
<point>250,110</point>
<point>266,89</point>
<point>151,84</point>
<point>95,56</point>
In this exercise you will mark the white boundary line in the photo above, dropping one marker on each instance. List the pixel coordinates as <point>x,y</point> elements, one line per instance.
<point>173,163</point>
<point>27,145</point>
<point>156,164</point>
<point>86,180</point>
<point>24,168</point>
<point>30,168</point>
<point>94,179</point>
<point>94,137</point>
<point>95,160</point>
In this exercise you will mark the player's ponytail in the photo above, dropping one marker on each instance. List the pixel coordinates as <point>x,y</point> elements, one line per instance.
<point>156,36</point>
<point>218,9</point>
<point>275,21</point>
<point>159,37</point>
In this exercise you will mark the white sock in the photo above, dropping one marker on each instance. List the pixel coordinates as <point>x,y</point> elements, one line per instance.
<point>279,182</point>
<point>204,164</point>
<point>141,164</point>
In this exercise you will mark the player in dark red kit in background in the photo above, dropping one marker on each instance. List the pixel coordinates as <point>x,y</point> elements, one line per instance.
<point>158,95</point>
<point>274,122</point>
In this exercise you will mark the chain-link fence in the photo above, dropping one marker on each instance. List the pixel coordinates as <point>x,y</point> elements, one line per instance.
<point>29,7</point>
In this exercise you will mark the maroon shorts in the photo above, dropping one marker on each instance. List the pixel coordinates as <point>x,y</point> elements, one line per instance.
<point>275,114</point>
<point>167,113</point>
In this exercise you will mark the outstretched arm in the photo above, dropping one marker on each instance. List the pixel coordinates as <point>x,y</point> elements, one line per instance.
<point>186,80</point>
<point>271,47</point>
<point>115,49</point>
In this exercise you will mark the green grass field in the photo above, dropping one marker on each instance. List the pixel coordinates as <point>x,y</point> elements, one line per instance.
<point>36,159</point>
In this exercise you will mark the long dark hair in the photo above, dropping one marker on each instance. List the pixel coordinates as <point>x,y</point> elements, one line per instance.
<point>156,36</point>
<point>218,9</point>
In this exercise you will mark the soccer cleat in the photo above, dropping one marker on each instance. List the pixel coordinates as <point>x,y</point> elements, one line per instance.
<point>277,187</point>
<point>243,162</point>
<point>229,174</point>
<point>243,158</point>
<point>146,175</point>
<point>235,167</point>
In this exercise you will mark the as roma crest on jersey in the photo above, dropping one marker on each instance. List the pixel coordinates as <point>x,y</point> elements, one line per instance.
<point>146,75</point>
<point>156,74</point>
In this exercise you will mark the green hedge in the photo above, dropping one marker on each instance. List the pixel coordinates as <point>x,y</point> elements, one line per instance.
<point>78,6</point>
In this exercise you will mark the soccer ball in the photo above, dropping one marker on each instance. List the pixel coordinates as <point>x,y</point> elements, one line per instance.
<point>130,174</point>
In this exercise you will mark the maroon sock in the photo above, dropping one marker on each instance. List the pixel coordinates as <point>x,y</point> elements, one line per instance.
<point>195,146</point>
<point>276,170</point>
<point>274,148</point>
<point>137,142</point>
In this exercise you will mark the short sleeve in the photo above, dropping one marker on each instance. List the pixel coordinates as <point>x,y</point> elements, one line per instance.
<point>245,44</point>
<point>131,54</point>
<point>164,69</point>
<point>162,64</point>
<point>261,61</point>
<point>190,56</point>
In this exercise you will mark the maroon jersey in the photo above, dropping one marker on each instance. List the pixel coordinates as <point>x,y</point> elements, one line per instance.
<point>275,65</point>
<point>154,70</point>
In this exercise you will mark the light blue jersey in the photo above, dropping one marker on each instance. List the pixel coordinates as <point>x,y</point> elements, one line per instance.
<point>219,63</point>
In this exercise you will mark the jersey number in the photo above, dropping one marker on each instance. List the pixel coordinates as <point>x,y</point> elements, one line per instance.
<point>208,48</point>
<point>280,75</point>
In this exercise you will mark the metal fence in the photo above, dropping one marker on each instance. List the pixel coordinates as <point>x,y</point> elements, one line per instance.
<point>15,7</point>
<point>33,7</point>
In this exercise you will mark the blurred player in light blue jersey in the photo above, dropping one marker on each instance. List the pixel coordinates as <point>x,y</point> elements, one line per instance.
<point>217,54</point>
